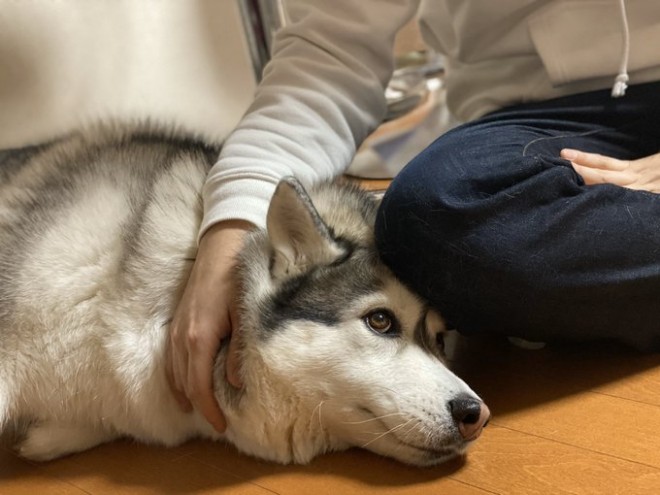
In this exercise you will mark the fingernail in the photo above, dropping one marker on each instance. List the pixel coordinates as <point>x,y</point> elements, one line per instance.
<point>568,154</point>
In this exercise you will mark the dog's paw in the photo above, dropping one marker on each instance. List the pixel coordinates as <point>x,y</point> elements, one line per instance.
<point>46,441</point>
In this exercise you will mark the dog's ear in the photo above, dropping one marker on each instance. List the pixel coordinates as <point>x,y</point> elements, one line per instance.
<point>299,237</point>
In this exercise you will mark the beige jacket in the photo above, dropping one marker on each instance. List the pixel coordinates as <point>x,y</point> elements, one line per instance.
<point>322,92</point>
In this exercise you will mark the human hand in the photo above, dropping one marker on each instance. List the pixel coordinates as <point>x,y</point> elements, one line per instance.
<point>205,315</point>
<point>642,174</point>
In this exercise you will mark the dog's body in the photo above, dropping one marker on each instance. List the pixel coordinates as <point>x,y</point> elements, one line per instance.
<point>97,237</point>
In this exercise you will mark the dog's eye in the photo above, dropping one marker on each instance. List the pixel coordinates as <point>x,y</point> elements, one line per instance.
<point>381,321</point>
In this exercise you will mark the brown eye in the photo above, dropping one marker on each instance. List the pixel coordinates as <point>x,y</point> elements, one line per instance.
<point>381,321</point>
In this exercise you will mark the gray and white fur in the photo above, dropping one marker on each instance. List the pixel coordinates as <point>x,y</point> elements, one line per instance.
<point>97,238</point>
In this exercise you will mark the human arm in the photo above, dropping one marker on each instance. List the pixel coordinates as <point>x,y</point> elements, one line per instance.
<point>641,174</point>
<point>320,96</point>
<point>205,315</point>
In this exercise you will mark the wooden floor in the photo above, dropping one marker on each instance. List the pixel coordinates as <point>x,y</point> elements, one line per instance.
<point>578,420</point>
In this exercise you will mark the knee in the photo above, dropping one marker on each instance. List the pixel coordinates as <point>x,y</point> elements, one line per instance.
<point>443,226</point>
<point>472,167</point>
<point>466,183</point>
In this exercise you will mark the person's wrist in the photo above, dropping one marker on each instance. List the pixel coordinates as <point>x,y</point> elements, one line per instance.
<point>225,228</point>
<point>223,239</point>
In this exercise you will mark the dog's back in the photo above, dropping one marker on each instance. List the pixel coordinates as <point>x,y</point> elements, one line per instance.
<point>97,234</point>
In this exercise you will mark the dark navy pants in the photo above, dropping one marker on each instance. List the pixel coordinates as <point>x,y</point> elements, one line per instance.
<point>503,236</point>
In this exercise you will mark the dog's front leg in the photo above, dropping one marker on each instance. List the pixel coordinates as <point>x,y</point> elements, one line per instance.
<point>48,440</point>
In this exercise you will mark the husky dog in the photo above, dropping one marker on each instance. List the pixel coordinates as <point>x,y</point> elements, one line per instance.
<point>97,237</point>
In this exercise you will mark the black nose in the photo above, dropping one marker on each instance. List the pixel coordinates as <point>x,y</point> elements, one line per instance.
<point>465,410</point>
<point>470,415</point>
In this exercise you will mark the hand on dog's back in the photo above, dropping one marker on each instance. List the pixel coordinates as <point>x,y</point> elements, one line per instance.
<point>204,317</point>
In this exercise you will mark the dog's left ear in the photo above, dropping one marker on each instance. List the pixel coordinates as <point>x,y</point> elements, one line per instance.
<point>298,235</point>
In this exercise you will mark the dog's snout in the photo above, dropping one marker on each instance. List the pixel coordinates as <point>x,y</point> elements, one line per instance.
<point>470,414</point>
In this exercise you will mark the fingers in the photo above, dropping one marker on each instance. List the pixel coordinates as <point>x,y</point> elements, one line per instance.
<point>593,176</point>
<point>172,362</point>
<point>599,169</point>
<point>189,369</point>
<point>593,160</point>
<point>200,383</point>
<point>177,388</point>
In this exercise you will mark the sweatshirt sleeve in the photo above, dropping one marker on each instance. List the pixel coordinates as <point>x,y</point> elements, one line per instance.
<point>320,96</point>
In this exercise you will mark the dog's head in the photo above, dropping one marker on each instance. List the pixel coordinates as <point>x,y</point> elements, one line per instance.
<point>335,351</point>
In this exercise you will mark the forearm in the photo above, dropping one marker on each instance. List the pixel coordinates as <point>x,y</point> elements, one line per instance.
<point>322,93</point>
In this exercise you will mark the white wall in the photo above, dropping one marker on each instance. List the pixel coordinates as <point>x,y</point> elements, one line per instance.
<point>67,62</point>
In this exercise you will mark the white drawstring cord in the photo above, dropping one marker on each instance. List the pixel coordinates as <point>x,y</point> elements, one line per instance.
<point>621,81</point>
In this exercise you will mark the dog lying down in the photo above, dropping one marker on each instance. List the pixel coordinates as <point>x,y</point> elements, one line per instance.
<point>97,237</point>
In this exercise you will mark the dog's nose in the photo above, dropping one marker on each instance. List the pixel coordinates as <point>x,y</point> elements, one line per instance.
<point>470,415</point>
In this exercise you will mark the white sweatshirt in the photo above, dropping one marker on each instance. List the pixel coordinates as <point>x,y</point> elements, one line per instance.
<point>322,92</point>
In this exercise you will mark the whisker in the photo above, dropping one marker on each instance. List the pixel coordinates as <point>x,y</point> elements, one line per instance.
<point>320,404</point>
<point>406,435</point>
<point>391,430</point>
<point>375,418</point>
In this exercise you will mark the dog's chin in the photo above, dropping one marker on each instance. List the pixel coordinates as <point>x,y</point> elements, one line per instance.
<point>419,451</point>
<point>425,456</point>
<point>419,455</point>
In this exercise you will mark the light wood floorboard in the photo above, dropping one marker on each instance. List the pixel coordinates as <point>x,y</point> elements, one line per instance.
<point>566,419</point>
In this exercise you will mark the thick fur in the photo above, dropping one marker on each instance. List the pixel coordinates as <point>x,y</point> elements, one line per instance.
<point>97,237</point>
